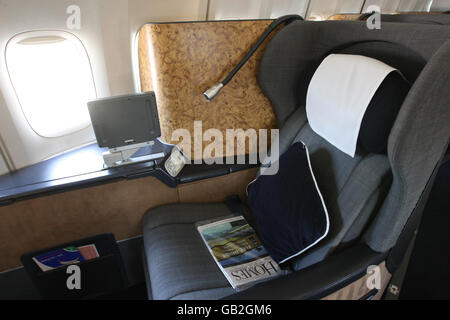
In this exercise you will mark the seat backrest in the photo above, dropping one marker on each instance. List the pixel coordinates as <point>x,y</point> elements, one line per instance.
<point>423,18</point>
<point>369,193</point>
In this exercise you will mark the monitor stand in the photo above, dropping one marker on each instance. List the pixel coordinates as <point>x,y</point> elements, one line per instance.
<point>121,156</point>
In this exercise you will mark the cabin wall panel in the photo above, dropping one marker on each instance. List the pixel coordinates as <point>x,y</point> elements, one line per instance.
<point>391,6</point>
<point>255,9</point>
<point>116,208</point>
<point>237,9</point>
<point>414,5</point>
<point>322,10</point>
<point>387,6</point>
<point>3,167</point>
<point>277,8</point>
<point>115,17</point>
<point>440,5</point>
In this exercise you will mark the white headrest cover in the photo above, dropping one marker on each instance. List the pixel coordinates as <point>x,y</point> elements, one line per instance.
<point>339,94</point>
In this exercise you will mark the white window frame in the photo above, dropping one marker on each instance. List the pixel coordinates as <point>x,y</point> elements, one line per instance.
<point>42,34</point>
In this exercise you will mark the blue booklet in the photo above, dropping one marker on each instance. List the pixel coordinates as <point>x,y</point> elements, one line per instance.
<point>58,258</point>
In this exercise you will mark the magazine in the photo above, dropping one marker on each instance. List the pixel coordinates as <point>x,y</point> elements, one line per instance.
<point>89,252</point>
<point>58,258</point>
<point>238,251</point>
<point>65,256</point>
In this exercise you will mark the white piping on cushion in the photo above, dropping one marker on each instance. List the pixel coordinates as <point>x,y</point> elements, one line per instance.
<point>324,209</point>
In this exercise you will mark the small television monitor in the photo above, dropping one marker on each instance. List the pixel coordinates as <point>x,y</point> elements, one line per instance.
<point>125,120</point>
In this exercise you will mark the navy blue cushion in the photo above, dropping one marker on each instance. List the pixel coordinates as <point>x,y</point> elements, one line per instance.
<point>382,112</point>
<point>288,208</point>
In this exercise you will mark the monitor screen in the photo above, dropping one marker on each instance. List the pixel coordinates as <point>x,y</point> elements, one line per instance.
<point>125,120</point>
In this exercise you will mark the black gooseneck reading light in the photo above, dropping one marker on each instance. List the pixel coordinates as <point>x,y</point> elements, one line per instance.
<point>215,89</point>
<point>366,16</point>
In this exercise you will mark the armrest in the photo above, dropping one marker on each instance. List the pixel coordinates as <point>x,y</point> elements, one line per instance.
<point>316,281</point>
<point>195,172</point>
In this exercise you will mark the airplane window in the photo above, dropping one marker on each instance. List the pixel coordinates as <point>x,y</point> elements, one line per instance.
<point>53,80</point>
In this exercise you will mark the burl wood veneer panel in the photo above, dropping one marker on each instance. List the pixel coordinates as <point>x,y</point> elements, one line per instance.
<point>349,16</point>
<point>358,289</point>
<point>116,207</point>
<point>145,72</point>
<point>187,58</point>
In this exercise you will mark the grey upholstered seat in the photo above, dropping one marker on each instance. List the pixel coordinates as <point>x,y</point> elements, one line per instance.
<point>369,197</point>
<point>439,19</point>
<point>352,188</point>
<point>180,266</point>
<point>422,53</point>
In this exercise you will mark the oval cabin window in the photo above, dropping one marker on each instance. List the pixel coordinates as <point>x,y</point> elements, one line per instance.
<point>52,77</point>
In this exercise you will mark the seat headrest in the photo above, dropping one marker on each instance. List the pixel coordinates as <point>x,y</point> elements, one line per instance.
<point>354,100</point>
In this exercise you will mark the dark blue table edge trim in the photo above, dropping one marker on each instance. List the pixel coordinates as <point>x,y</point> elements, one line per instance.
<point>191,173</point>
